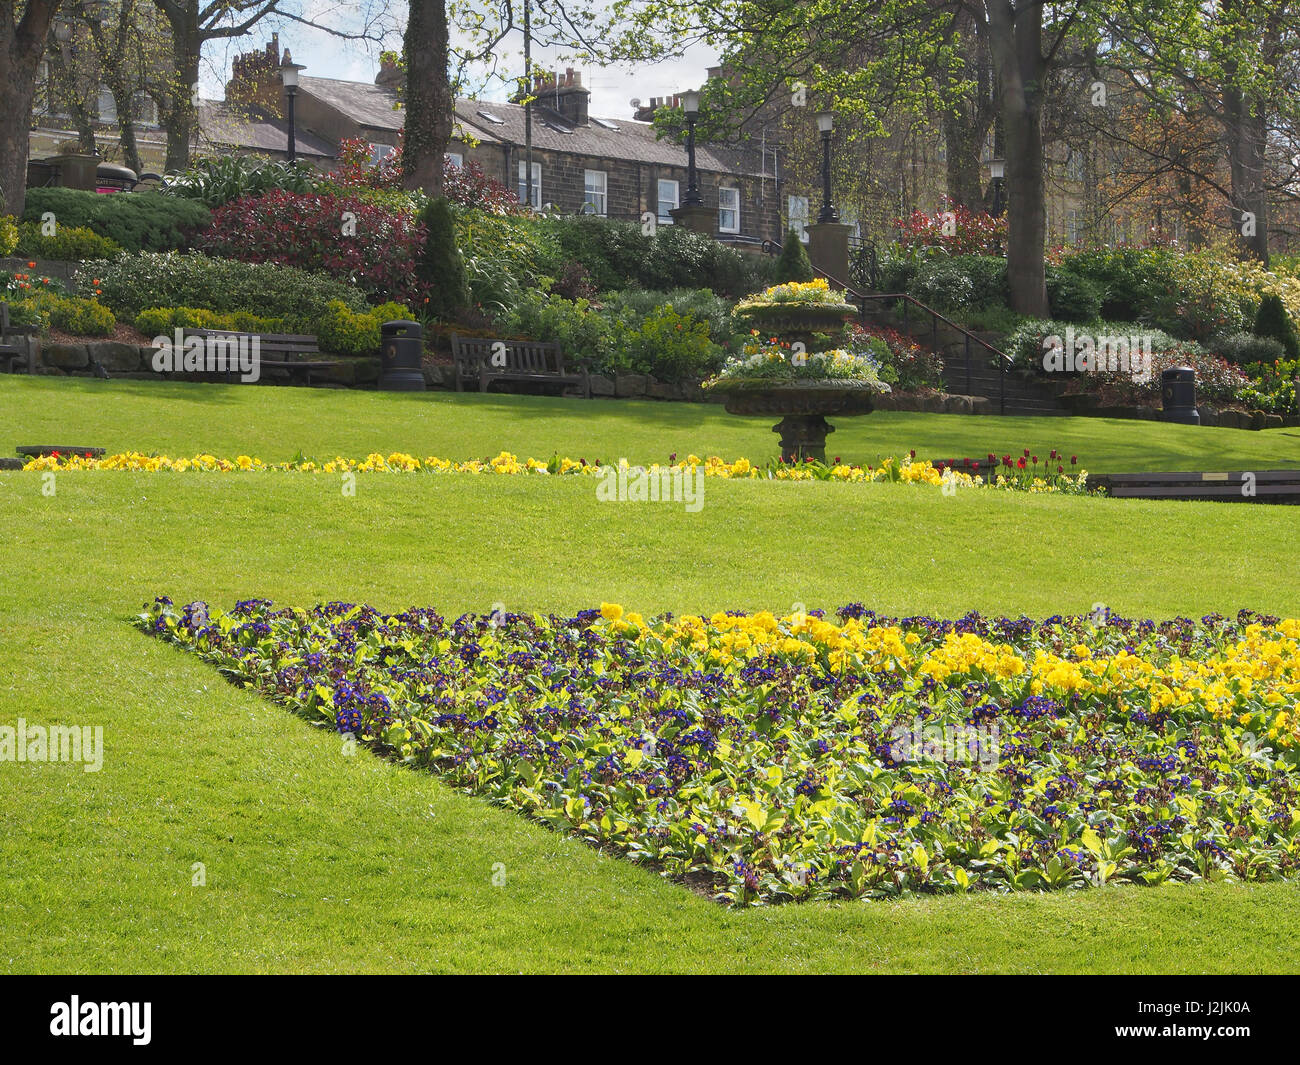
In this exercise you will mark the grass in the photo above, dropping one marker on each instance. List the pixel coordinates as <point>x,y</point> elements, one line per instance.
<point>316,861</point>
<point>277,423</point>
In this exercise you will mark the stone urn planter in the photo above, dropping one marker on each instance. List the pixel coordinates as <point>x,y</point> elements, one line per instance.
<point>802,406</point>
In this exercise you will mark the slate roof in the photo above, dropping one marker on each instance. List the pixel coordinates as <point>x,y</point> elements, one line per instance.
<point>369,105</point>
<point>255,130</point>
<point>618,138</point>
<point>631,141</point>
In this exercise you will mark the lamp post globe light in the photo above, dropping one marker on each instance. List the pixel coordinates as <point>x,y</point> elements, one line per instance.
<point>691,105</point>
<point>289,78</point>
<point>826,126</point>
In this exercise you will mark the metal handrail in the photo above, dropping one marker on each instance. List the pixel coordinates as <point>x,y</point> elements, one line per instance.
<point>1003,360</point>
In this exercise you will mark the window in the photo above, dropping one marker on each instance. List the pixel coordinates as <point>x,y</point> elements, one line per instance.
<point>594,183</point>
<point>380,152</point>
<point>146,109</point>
<point>455,159</point>
<point>1072,226</point>
<point>494,119</point>
<point>728,210</point>
<point>106,106</point>
<point>606,123</point>
<point>798,210</point>
<point>536,199</point>
<point>670,198</point>
<point>1074,166</point>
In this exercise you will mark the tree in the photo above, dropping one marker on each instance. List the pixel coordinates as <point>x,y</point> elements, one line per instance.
<point>24,26</point>
<point>793,263</point>
<point>428,96</point>
<point>440,264</point>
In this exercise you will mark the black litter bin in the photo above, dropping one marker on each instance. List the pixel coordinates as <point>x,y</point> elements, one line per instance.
<point>400,350</point>
<point>1178,396</point>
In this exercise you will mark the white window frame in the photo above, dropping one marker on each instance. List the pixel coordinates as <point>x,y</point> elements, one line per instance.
<point>146,110</point>
<point>380,152</point>
<point>797,208</point>
<point>733,193</point>
<point>522,191</point>
<point>595,191</point>
<point>456,159</point>
<point>661,200</point>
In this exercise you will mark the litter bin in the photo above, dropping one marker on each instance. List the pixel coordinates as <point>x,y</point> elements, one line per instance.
<point>401,349</point>
<point>1178,396</point>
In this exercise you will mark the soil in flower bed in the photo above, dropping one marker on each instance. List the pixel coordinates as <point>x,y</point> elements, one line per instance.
<point>765,759</point>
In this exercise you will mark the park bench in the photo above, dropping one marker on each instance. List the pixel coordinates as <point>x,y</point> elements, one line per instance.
<point>290,352</point>
<point>11,353</point>
<point>524,361</point>
<point>1260,486</point>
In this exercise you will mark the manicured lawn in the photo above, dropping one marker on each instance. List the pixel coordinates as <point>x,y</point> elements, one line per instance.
<point>318,861</point>
<point>277,423</point>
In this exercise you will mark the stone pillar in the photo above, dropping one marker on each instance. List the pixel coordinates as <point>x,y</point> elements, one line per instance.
<point>828,248</point>
<point>700,219</point>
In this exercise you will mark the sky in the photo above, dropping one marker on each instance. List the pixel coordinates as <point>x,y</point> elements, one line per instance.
<point>326,56</point>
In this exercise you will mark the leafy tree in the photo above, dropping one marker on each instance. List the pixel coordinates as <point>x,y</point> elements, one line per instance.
<point>24,27</point>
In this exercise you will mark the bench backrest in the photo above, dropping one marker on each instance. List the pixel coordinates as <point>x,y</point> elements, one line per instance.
<point>520,356</point>
<point>268,343</point>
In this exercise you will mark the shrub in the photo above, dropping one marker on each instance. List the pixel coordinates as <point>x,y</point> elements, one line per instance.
<point>574,324</point>
<point>635,305</point>
<point>347,332</point>
<point>376,251</point>
<point>1243,348</point>
<point>943,284</point>
<point>439,265</point>
<point>157,321</point>
<point>137,221</point>
<point>68,243</point>
<point>81,317</point>
<point>1273,321</point>
<point>618,255</point>
<point>1272,386</point>
<point>1073,298</point>
<point>220,180</point>
<point>673,345</point>
<point>954,230</point>
<point>504,256</point>
<point>793,263</point>
<point>904,364</point>
<point>8,235</point>
<point>131,283</point>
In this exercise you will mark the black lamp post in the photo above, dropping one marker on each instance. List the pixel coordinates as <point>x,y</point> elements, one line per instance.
<point>289,76</point>
<point>691,104</point>
<point>826,124</point>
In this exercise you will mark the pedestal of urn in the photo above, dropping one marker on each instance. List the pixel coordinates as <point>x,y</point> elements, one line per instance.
<point>802,407</point>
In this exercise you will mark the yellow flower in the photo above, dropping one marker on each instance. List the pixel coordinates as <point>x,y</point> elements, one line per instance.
<point>611,611</point>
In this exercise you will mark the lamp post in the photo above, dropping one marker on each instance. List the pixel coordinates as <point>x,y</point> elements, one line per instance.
<point>998,170</point>
<point>691,104</point>
<point>289,77</point>
<point>826,125</point>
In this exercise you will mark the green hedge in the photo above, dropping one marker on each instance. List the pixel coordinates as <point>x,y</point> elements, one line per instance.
<point>138,221</point>
<point>67,244</point>
<point>132,283</point>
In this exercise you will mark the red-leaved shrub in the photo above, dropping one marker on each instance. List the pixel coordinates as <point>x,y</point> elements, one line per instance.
<point>362,243</point>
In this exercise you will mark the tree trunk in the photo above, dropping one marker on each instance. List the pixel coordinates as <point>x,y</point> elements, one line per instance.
<point>22,43</point>
<point>181,115</point>
<point>1246,135</point>
<point>428,97</point>
<point>964,138</point>
<point>1015,42</point>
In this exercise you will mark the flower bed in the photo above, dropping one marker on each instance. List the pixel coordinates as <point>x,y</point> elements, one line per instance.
<point>1015,477</point>
<point>766,759</point>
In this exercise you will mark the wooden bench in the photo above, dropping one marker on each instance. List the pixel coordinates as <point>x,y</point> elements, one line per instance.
<point>11,353</point>
<point>526,361</point>
<point>278,351</point>
<point>1261,486</point>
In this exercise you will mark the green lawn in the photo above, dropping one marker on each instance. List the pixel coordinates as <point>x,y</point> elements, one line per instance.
<point>318,861</point>
<point>276,423</point>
